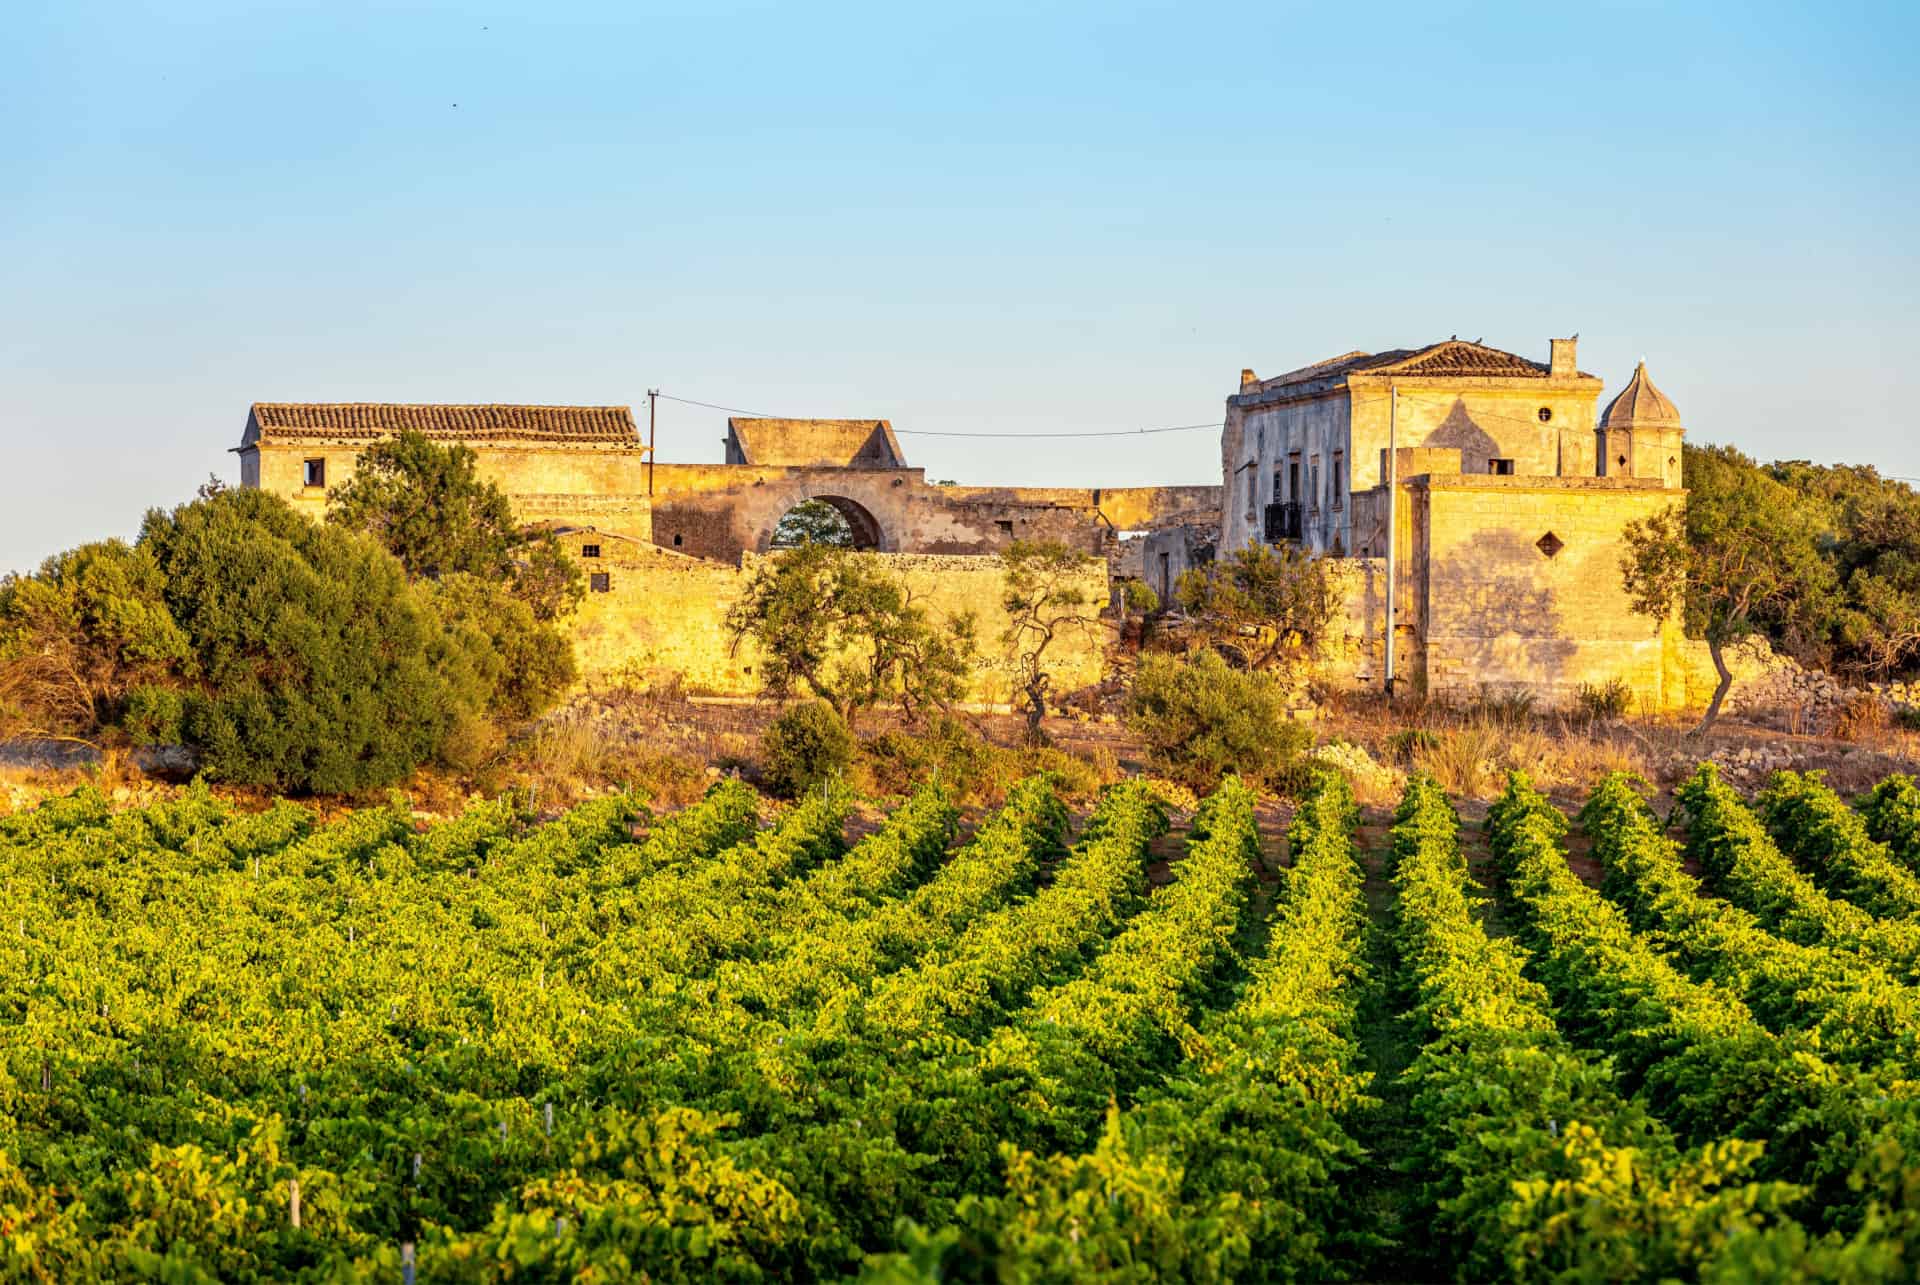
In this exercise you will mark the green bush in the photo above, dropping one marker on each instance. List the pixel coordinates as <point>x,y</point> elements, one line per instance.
<point>316,667</point>
<point>1202,719</point>
<point>806,745</point>
<point>973,771</point>
<point>155,715</point>
<point>1611,699</point>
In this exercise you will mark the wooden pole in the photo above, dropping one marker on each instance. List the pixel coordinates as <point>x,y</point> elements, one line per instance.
<point>1393,517</point>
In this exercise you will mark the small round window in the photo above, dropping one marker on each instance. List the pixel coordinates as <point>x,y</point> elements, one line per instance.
<point>1546,414</point>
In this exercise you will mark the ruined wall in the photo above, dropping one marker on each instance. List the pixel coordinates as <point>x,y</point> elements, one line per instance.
<point>721,511</point>
<point>662,613</point>
<point>1497,609</point>
<point>1124,508</point>
<point>1171,552</point>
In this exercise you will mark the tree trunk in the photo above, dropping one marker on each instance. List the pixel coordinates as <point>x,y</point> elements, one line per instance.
<point>1719,692</point>
<point>1036,712</point>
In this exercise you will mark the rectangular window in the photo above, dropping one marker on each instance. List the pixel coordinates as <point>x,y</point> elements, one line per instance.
<point>1313,485</point>
<point>589,550</point>
<point>600,582</point>
<point>1339,478</point>
<point>315,473</point>
<point>1293,477</point>
<point>1502,468</point>
<point>1005,525</point>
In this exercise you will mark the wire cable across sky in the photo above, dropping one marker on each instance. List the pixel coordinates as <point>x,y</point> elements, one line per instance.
<point>926,432</point>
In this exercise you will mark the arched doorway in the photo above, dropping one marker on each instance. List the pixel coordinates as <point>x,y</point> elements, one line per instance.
<point>827,519</point>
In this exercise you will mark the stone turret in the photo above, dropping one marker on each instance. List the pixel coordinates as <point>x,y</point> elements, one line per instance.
<point>1640,433</point>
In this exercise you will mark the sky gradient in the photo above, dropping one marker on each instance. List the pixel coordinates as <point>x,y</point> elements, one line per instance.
<point>1005,219</point>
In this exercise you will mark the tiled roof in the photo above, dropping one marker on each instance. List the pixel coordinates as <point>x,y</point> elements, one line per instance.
<point>1457,357</point>
<point>1449,357</point>
<point>816,443</point>
<point>1640,404</point>
<point>284,420</point>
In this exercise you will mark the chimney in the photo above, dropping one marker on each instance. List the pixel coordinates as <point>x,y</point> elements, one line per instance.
<point>1563,365</point>
<point>1248,377</point>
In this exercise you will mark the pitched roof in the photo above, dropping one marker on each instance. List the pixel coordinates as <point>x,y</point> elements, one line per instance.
<point>1449,357</point>
<point>1640,405</point>
<point>298,420</point>
<point>815,443</point>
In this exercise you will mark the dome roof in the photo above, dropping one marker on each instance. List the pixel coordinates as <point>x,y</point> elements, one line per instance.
<point>1640,405</point>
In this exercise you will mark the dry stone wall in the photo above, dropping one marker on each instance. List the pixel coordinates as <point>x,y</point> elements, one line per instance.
<point>662,614</point>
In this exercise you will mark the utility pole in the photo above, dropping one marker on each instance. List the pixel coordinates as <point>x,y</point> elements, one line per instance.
<point>1393,514</point>
<point>653,395</point>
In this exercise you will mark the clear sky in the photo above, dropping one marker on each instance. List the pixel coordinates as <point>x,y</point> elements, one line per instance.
<point>1012,219</point>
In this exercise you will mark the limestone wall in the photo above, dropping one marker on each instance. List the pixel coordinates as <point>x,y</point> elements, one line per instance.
<point>565,483</point>
<point>1496,609</point>
<point>664,613</point>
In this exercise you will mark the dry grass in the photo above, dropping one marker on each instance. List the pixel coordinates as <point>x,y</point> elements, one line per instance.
<point>575,754</point>
<point>1472,760</point>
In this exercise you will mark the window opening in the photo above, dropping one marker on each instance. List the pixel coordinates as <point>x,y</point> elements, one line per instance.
<point>1500,468</point>
<point>1338,478</point>
<point>1546,414</point>
<point>676,539</point>
<point>1549,544</point>
<point>600,582</point>
<point>589,550</point>
<point>1005,525</point>
<point>316,472</point>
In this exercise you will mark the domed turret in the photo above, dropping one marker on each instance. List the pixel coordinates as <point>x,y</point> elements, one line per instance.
<point>1640,433</point>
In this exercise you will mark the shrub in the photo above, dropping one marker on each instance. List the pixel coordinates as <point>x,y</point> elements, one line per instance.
<point>1509,707</point>
<point>155,715</point>
<point>318,668</point>
<point>78,636</point>
<point>974,771</point>
<point>1202,719</point>
<point>1611,699</point>
<point>525,664</point>
<point>1864,718</point>
<point>806,745</point>
<point>1410,741</point>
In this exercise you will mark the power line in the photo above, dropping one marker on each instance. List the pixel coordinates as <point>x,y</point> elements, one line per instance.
<point>924,432</point>
<point>1117,432</point>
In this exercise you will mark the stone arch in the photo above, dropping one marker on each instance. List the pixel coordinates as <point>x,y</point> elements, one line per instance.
<point>868,535</point>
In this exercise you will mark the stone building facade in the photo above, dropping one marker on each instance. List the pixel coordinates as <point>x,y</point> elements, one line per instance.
<point>1513,500</point>
<point>666,546</point>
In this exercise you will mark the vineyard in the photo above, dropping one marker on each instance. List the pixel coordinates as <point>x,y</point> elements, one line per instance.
<point>722,1045</point>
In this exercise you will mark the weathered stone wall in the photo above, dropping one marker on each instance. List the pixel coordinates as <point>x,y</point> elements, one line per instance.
<point>596,485</point>
<point>1497,610</point>
<point>1169,553</point>
<point>721,511</point>
<point>663,613</point>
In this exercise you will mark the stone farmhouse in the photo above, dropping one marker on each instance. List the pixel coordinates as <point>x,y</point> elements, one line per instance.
<point>1512,500</point>
<point>668,547</point>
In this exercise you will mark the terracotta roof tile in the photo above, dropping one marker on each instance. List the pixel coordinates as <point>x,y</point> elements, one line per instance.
<point>1449,357</point>
<point>284,420</point>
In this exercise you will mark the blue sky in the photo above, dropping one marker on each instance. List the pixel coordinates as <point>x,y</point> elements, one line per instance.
<point>1009,219</point>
